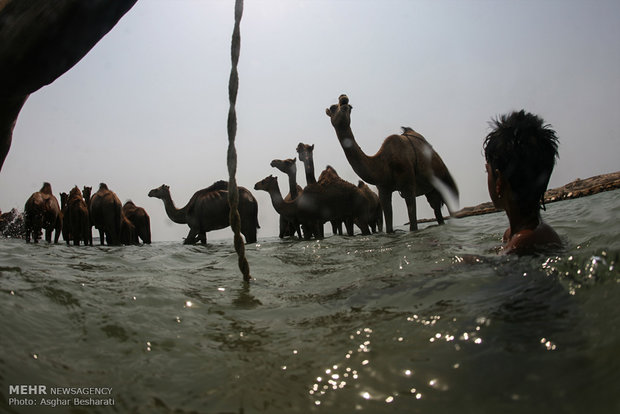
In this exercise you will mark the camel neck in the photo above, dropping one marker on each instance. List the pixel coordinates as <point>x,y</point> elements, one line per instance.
<point>361,163</point>
<point>279,204</point>
<point>292,184</point>
<point>309,169</point>
<point>179,216</point>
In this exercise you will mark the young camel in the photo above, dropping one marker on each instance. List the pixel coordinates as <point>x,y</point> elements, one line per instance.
<point>288,167</point>
<point>405,163</point>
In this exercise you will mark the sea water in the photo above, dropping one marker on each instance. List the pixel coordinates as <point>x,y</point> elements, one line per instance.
<point>432,321</point>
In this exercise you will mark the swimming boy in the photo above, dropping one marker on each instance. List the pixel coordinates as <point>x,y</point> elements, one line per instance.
<point>520,154</point>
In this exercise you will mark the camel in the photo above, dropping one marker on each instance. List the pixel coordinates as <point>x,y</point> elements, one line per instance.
<point>288,167</point>
<point>319,203</point>
<point>63,210</point>
<point>105,215</point>
<point>127,233</point>
<point>373,207</point>
<point>406,163</point>
<point>140,220</point>
<point>39,41</point>
<point>306,154</point>
<point>76,218</point>
<point>42,212</point>
<point>208,210</point>
<point>86,192</point>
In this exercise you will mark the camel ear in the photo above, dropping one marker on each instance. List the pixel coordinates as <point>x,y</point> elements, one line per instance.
<point>328,112</point>
<point>312,147</point>
<point>295,159</point>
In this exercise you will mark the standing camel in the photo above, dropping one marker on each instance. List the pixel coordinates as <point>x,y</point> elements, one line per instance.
<point>373,209</point>
<point>76,218</point>
<point>405,163</point>
<point>86,191</point>
<point>318,203</point>
<point>141,221</point>
<point>105,214</point>
<point>208,210</point>
<point>42,212</point>
<point>288,167</point>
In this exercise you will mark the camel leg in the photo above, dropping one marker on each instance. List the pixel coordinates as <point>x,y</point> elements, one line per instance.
<point>348,223</point>
<point>435,201</point>
<point>411,209</point>
<point>190,238</point>
<point>385,198</point>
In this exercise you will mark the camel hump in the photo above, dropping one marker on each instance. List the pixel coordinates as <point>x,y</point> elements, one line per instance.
<point>409,132</point>
<point>103,186</point>
<point>74,192</point>
<point>218,185</point>
<point>46,189</point>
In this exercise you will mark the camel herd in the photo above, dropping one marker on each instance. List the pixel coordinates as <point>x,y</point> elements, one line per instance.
<point>79,212</point>
<point>406,163</point>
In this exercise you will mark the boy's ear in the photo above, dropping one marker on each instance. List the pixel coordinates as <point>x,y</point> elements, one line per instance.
<point>499,182</point>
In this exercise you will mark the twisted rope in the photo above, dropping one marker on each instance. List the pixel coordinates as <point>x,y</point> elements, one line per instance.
<point>233,191</point>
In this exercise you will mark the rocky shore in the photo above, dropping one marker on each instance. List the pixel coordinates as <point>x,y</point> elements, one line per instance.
<point>574,189</point>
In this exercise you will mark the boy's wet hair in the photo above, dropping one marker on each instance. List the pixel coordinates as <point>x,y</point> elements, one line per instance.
<point>524,149</point>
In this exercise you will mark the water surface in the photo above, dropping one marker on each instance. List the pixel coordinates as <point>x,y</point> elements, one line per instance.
<point>406,322</point>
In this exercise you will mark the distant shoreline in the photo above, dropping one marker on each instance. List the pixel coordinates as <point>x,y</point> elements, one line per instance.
<point>574,189</point>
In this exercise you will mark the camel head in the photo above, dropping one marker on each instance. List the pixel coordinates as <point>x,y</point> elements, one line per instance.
<point>161,192</point>
<point>267,183</point>
<point>86,191</point>
<point>305,151</point>
<point>63,200</point>
<point>287,166</point>
<point>340,113</point>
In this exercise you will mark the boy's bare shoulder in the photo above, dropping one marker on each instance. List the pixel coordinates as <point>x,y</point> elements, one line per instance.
<point>530,240</point>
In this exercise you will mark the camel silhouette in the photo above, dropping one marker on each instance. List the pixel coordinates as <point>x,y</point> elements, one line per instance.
<point>42,212</point>
<point>288,166</point>
<point>208,210</point>
<point>406,163</point>
<point>105,215</point>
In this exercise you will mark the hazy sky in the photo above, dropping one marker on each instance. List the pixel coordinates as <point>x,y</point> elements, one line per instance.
<point>148,104</point>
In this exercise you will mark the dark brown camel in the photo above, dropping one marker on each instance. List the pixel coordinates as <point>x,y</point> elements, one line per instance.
<point>76,218</point>
<point>42,212</point>
<point>63,210</point>
<point>105,215</point>
<point>374,212</point>
<point>306,154</point>
<point>128,233</point>
<point>288,166</point>
<point>405,163</point>
<point>318,203</point>
<point>39,41</point>
<point>208,210</point>
<point>141,221</point>
<point>86,192</point>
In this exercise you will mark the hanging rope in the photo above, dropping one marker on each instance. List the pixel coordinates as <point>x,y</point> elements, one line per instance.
<point>233,191</point>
